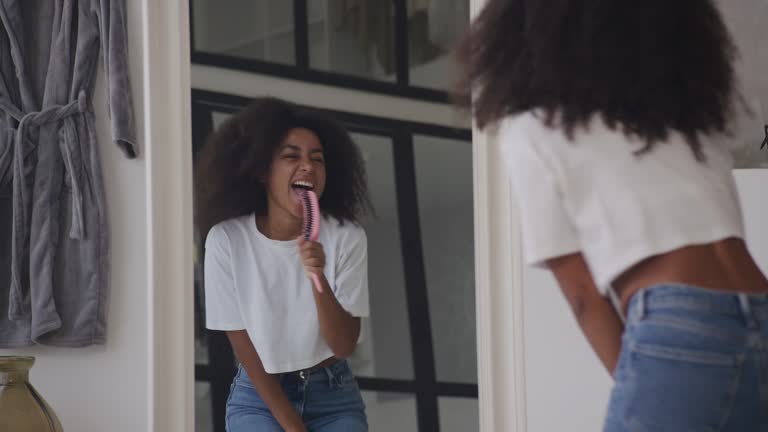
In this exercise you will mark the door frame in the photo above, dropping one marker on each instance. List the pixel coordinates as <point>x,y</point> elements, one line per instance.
<point>168,153</point>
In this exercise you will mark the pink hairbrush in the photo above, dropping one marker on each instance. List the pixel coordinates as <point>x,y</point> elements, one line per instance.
<point>310,229</point>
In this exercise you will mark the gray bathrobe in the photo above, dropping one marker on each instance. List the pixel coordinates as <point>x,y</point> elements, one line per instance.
<point>54,236</point>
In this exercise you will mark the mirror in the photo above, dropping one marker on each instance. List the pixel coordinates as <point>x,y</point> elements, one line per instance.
<point>416,365</point>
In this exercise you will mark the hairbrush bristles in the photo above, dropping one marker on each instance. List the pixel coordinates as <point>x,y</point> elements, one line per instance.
<point>311,223</point>
<point>306,228</point>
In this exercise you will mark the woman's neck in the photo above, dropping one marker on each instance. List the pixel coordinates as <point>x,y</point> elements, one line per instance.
<point>282,228</point>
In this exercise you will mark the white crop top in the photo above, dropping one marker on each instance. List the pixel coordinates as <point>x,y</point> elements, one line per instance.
<point>257,284</point>
<point>595,196</point>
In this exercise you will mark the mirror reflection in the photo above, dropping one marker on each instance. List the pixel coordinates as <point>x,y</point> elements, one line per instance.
<point>414,357</point>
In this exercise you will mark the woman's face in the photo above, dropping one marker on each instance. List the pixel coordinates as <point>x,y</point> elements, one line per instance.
<point>298,160</point>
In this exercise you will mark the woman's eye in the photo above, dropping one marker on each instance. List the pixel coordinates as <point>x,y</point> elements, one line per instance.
<point>320,161</point>
<point>291,156</point>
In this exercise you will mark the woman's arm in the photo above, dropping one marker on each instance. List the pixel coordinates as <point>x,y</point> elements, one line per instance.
<point>339,329</point>
<point>266,385</point>
<point>596,316</point>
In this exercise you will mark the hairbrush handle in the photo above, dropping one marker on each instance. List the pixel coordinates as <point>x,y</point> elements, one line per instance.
<point>316,281</point>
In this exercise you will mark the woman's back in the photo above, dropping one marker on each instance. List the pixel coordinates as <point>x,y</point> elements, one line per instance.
<point>618,207</point>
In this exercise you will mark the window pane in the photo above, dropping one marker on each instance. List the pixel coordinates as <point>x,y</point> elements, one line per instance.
<point>219,118</point>
<point>386,352</point>
<point>203,417</point>
<point>434,27</point>
<point>201,343</point>
<point>201,334</point>
<point>253,29</point>
<point>390,411</point>
<point>458,414</point>
<point>353,38</point>
<point>444,188</point>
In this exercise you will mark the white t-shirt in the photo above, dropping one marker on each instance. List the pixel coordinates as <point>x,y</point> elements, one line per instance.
<point>258,284</point>
<point>593,195</point>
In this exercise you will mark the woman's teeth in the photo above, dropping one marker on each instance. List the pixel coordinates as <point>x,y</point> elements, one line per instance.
<point>303,184</point>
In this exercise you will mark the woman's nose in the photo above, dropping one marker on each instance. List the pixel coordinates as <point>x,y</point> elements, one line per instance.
<point>305,165</point>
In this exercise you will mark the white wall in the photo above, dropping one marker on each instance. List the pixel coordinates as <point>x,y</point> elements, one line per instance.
<point>102,388</point>
<point>746,20</point>
<point>142,378</point>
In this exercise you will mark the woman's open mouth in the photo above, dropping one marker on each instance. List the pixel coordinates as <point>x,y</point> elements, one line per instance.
<point>299,187</point>
<point>303,184</point>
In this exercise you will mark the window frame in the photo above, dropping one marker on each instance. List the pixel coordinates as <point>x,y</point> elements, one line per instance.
<point>301,70</point>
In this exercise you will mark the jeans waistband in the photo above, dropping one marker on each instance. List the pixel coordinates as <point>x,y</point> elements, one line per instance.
<point>332,371</point>
<point>751,307</point>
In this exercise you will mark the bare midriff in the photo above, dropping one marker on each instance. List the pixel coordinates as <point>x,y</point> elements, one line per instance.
<point>724,265</point>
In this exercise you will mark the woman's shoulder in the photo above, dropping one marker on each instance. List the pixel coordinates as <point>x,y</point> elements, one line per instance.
<point>224,230</point>
<point>342,231</point>
<point>524,136</point>
<point>523,131</point>
<point>524,123</point>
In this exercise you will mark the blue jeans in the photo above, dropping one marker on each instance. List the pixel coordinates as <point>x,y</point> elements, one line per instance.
<point>327,399</point>
<point>692,360</point>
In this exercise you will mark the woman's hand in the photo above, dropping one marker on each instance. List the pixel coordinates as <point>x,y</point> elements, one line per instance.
<point>313,257</point>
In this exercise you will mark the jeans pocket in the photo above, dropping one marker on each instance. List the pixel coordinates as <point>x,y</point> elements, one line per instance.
<point>241,379</point>
<point>684,355</point>
<point>348,381</point>
<point>690,338</point>
<point>676,376</point>
<point>244,394</point>
<point>673,389</point>
<point>349,392</point>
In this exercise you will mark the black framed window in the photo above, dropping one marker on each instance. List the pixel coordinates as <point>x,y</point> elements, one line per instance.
<point>398,47</point>
<point>417,367</point>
